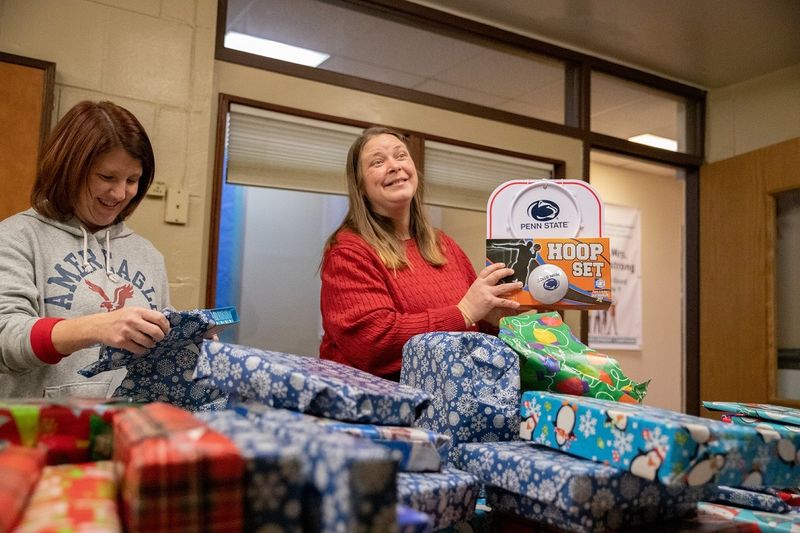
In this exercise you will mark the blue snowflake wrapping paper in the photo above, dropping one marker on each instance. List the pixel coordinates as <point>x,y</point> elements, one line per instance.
<point>412,521</point>
<point>415,449</point>
<point>757,520</point>
<point>658,444</point>
<point>764,499</point>
<point>273,474</point>
<point>574,494</point>
<point>447,497</point>
<point>165,372</point>
<point>773,413</point>
<point>473,380</point>
<point>315,386</point>
<point>351,484</point>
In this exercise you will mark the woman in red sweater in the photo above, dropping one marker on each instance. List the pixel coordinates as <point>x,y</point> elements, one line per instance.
<point>388,275</point>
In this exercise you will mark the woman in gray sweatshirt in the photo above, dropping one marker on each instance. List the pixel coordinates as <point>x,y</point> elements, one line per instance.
<point>72,275</point>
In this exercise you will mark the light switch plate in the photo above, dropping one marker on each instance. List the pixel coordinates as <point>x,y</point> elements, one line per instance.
<point>176,210</point>
<point>157,190</point>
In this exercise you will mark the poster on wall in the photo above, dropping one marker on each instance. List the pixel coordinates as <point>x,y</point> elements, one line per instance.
<point>620,326</point>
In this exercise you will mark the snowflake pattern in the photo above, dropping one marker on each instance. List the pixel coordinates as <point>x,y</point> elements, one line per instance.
<point>164,373</point>
<point>355,479</point>
<point>473,379</point>
<point>573,494</point>
<point>447,497</point>
<point>316,386</point>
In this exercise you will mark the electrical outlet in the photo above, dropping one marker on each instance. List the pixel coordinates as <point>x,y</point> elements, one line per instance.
<point>176,210</point>
<point>157,189</point>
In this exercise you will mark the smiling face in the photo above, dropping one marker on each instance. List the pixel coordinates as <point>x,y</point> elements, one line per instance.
<point>112,183</point>
<point>389,177</point>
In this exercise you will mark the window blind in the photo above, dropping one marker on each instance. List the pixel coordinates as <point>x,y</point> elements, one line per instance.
<point>270,149</point>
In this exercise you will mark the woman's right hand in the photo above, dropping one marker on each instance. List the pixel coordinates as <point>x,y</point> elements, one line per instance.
<point>485,295</point>
<point>135,329</point>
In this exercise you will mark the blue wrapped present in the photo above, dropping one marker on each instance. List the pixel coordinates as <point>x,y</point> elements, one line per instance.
<point>447,497</point>
<point>315,386</point>
<point>574,494</point>
<point>273,477</point>
<point>658,444</point>
<point>416,450</point>
<point>773,413</point>
<point>756,520</point>
<point>764,499</point>
<point>473,380</point>
<point>350,483</point>
<point>412,521</point>
<point>164,373</point>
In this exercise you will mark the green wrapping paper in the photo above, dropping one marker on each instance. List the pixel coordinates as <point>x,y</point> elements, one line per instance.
<point>553,359</point>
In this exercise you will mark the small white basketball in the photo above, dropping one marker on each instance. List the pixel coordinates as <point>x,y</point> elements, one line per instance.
<point>548,284</point>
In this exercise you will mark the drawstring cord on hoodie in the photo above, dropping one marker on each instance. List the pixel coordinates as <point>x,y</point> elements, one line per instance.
<point>85,264</point>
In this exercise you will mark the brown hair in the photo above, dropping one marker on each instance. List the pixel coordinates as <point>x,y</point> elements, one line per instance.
<point>85,132</point>
<point>377,229</point>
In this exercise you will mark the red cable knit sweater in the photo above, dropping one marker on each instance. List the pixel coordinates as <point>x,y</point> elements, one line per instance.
<point>369,311</point>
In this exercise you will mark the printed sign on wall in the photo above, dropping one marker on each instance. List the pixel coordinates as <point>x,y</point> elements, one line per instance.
<point>620,326</point>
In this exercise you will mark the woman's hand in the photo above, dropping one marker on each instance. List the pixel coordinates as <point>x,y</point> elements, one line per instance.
<point>135,329</point>
<point>485,295</point>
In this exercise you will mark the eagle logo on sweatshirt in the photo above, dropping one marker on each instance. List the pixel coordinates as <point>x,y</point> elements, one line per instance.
<point>121,294</point>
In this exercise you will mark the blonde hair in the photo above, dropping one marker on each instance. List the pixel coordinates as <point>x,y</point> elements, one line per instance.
<point>376,229</point>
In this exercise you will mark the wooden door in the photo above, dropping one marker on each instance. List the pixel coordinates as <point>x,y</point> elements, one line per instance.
<point>26,96</point>
<point>738,359</point>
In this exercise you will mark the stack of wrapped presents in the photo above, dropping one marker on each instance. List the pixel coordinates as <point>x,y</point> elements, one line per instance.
<point>479,435</point>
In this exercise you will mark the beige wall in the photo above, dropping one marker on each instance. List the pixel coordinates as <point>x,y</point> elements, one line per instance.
<point>660,200</point>
<point>154,57</point>
<point>753,114</point>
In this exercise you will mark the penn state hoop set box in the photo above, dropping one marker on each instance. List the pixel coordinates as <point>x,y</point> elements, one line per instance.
<point>550,232</point>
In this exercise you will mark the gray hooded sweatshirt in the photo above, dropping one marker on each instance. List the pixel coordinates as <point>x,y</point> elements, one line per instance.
<point>58,269</point>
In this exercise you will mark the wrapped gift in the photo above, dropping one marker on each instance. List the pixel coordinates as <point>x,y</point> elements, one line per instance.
<point>178,474</point>
<point>20,469</point>
<point>19,422</point>
<point>658,444</point>
<point>759,521</point>
<point>553,359</point>
<point>473,380</point>
<point>415,449</point>
<point>315,386</point>
<point>447,497</point>
<point>762,411</point>
<point>351,482</point>
<point>764,499</point>
<point>70,430</point>
<point>164,373</point>
<point>273,479</point>
<point>73,498</point>
<point>412,521</point>
<point>574,494</point>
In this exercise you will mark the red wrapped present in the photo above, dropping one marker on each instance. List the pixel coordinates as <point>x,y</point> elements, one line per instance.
<point>178,474</point>
<point>73,498</point>
<point>20,469</point>
<point>70,430</point>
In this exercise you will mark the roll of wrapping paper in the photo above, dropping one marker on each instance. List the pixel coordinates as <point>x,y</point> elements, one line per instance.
<point>553,359</point>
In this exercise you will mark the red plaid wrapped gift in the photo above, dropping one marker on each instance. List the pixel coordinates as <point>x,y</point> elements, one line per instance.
<point>179,475</point>
<point>73,498</point>
<point>70,430</point>
<point>20,469</point>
